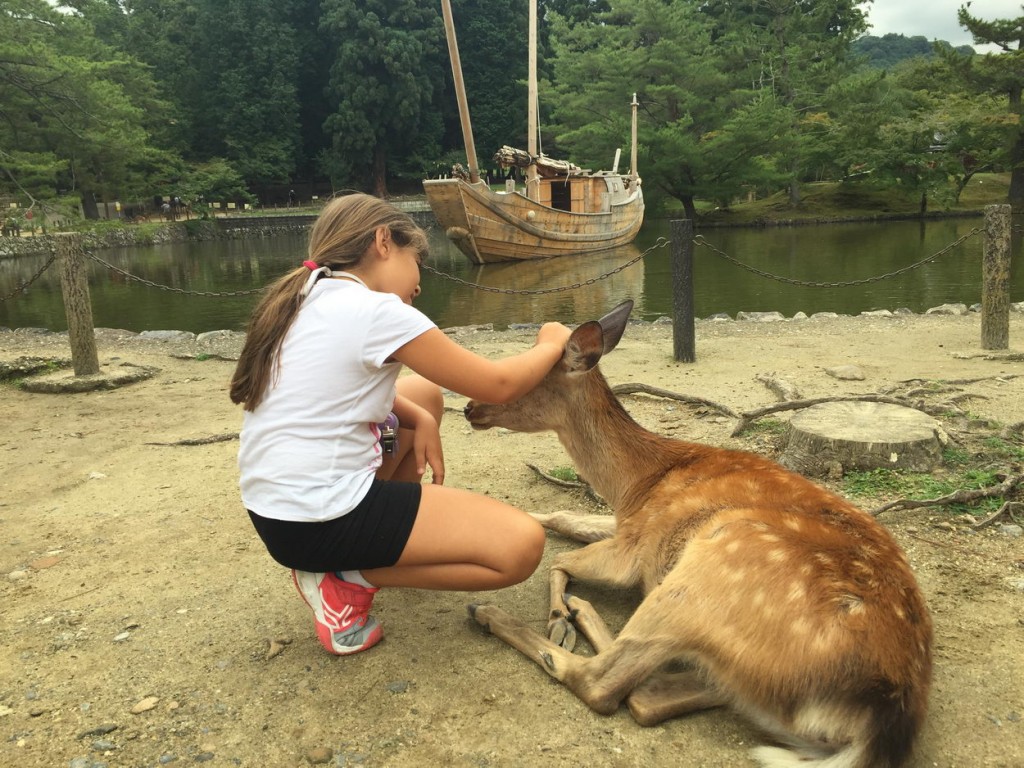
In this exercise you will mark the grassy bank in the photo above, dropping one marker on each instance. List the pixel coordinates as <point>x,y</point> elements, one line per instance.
<point>834,201</point>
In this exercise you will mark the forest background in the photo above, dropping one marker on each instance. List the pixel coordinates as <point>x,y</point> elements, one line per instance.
<point>248,100</point>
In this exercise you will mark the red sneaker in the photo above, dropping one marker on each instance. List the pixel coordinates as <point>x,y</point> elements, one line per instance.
<point>342,611</point>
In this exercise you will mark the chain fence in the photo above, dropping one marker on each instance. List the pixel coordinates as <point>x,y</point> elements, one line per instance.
<point>699,240</point>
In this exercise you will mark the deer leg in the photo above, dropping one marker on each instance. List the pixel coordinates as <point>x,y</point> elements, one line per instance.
<point>600,681</point>
<point>669,694</point>
<point>585,528</point>
<point>661,696</point>
<point>600,562</point>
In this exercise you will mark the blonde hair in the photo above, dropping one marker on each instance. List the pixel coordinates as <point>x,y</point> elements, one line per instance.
<point>341,236</point>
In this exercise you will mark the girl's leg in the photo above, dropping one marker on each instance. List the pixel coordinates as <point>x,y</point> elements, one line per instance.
<point>464,541</point>
<point>460,540</point>
<point>402,464</point>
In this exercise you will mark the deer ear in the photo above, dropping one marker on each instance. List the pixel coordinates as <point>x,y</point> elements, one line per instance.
<point>584,348</point>
<point>614,324</point>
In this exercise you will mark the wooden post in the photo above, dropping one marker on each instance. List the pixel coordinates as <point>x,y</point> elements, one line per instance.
<point>683,336</point>
<point>74,286</point>
<point>995,279</point>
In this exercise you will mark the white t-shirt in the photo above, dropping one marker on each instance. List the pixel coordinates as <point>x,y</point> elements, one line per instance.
<point>309,450</point>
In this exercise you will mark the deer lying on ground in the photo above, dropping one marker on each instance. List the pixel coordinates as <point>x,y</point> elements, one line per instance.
<point>780,598</point>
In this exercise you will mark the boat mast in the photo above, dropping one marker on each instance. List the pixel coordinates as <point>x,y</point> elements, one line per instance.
<point>460,91</point>
<point>532,178</point>
<point>632,158</point>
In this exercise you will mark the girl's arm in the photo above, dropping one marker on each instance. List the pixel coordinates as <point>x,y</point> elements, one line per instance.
<point>426,445</point>
<point>438,358</point>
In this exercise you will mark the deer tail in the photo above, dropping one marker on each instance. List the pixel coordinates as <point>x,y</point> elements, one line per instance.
<point>886,741</point>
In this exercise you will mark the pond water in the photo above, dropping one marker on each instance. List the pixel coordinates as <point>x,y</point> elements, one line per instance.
<point>823,268</point>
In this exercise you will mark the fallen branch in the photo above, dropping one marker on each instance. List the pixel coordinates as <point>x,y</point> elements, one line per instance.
<point>630,389</point>
<point>1014,357</point>
<point>957,497</point>
<point>574,484</point>
<point>781,388</point>
<point>204,356</point>
<point>1009,509</point>
<point>203,440</point>
<point>1012,430</point>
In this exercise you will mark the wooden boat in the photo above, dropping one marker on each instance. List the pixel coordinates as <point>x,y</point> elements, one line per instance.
<point>562,210</point>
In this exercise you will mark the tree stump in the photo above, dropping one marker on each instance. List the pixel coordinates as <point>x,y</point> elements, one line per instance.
<point>862,435</point>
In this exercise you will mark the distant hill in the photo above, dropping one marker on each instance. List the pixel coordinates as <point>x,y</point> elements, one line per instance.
<point>888,50</point>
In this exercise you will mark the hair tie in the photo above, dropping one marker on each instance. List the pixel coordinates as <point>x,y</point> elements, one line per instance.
<point>310,265</point>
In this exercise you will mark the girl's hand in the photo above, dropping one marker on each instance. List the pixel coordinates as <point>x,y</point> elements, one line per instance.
<point>553,333</point>
<point>426,446</point>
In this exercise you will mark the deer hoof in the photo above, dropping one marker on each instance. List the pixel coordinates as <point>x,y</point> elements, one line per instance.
<point>472,609</point>
<point>562,633</point>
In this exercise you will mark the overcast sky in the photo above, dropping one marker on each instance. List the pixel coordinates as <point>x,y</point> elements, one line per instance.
<point>935,19</point>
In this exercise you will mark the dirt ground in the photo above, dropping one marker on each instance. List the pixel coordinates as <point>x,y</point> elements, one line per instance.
<point>138,606</point>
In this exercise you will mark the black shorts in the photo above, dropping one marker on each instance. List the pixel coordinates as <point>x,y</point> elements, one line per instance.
<point>373,535</point>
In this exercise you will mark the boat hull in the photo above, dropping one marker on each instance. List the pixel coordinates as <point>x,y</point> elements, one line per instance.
<point>489,226</point>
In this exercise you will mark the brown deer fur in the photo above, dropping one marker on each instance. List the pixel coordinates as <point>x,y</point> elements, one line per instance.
<point>784,600</point>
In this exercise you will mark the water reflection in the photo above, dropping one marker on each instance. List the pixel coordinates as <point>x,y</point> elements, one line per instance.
<point>842,260</point>
<point>565,288</point>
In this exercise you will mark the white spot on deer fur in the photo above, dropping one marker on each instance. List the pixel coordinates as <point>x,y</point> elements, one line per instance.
<point>732,546</point>
<point>825,560</point>
<point>853,604</point>
<point>797,591</point>
<point>792,522</point>
<point>776,555</point>
<point>860,565</point>
<point>899,612</point>
<point>771,538</point>
<point>758,598</point>
<point>820,642</point>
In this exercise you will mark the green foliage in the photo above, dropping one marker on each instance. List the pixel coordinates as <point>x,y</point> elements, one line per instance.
<point>1004,450</point>
<point>249,63</point>
<point>111,100</point>
<point>1003,75</point>
<point>383,86</point>
<point>887,51</point>
<point>75,109</point>
<point>770,427</point>
<point>494,70</point>
<point>565,474</point>
<point>685,97</point>
<point>212,181</point>
<point>887,482</point>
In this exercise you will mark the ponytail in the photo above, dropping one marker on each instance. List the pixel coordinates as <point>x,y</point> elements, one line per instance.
<point>341,236</point>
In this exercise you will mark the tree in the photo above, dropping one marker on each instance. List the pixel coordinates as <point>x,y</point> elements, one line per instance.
<point>792,51</point>
<point>247,62</point>
<point>887,51</point>
<point>969,132</point>
<point>73,108</point>
<point>385,82</point>
<point>494,37</point>
<point>701,132</point>
<point>1002,73</point>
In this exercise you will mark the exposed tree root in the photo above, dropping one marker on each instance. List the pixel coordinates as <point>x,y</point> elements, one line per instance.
<point>630,389</point>
<point>957,497</point>
<point>573,484</point>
